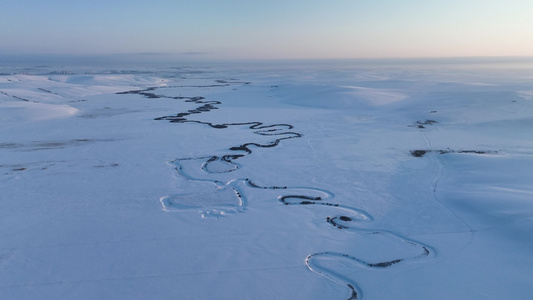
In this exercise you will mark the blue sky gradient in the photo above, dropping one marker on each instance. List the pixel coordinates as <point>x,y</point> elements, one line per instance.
<point>239,29</point>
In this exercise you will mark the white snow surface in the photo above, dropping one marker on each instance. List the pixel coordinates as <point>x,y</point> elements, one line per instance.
<point>274,183</point>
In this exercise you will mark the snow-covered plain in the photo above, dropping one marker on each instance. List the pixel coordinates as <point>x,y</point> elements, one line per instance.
<point>294,181</point>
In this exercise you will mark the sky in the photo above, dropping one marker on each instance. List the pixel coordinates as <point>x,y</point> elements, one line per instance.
<point>274,29</point>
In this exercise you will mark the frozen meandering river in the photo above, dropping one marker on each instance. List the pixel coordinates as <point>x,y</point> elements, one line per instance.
<point>319,181</point>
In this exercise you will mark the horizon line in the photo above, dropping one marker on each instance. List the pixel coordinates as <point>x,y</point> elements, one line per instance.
<point>200,53</point>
